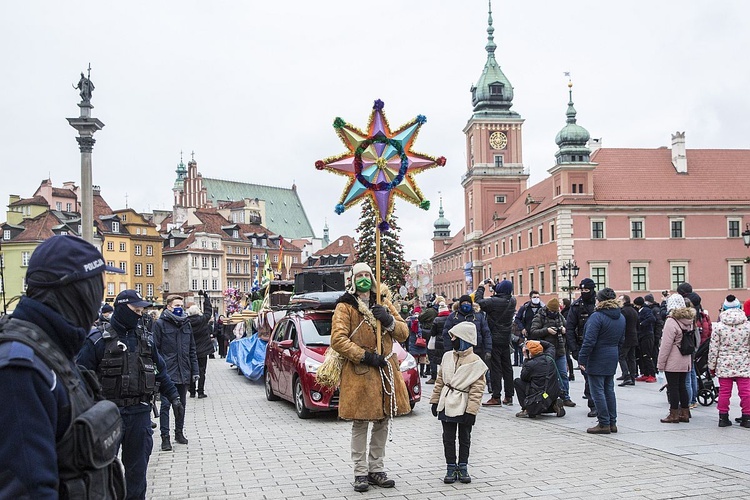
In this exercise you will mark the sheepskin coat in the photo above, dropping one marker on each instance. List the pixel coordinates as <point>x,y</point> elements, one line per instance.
<point>670,358</point>
<point>361,395</point>
<point>729,352</point>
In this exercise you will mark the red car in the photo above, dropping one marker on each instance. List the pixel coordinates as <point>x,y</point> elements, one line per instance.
<point>297,348</point>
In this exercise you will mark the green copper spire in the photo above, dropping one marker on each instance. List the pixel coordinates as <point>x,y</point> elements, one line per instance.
<point>181,174</point>
<point>572,138</point>
<point>442,225</point>
<point>492,96</point>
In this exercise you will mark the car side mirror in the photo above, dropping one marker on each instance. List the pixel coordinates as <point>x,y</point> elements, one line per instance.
<point>286,344</point>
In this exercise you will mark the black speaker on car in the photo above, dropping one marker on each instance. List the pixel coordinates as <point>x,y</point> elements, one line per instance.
<point>333,282</point>
<point>308,282</point>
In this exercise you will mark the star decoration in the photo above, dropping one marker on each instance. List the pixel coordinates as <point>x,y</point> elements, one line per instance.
<point>379,164</point>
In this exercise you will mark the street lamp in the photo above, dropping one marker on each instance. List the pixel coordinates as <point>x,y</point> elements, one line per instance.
<point>746,239</point>
<point>570,271</point>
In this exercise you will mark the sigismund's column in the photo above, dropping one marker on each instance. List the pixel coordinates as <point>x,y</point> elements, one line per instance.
<point>86,126</point>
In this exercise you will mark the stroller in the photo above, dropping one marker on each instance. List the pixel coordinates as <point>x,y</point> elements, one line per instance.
<point>708,392</point>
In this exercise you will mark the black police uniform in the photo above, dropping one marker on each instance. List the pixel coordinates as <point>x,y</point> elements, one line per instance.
<point>580,310</point>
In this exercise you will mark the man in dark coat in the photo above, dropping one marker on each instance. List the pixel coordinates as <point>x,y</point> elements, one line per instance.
<point>627,353</point>
<point>436,352</point>
<point>500,310</point>
<point>527,311</point>
<point>575,324</point>
<point>466,310</point>
<point>199,319</point>
<point>539,377</point>
<point>549,325</point>
<point>658,322</point>
<point>173,337</point>
<point>597,357</point>
<point>645,327</point>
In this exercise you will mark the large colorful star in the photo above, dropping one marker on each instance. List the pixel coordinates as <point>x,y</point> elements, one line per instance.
<point>379,164</point>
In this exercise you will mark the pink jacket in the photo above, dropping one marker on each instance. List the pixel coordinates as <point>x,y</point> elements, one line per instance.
<point>729,353</point>
<point>670,358</point>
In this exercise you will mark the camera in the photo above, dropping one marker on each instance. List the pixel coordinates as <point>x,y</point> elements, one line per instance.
<point>665,293</point>
<point>487,281</point>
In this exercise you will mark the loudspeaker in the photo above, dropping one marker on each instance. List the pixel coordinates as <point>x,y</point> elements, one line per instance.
<point>333,282</point>
<point>308,282</point>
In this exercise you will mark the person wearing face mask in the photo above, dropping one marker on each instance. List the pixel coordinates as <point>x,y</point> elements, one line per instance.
<point>527,311</point>
<point>538,386</point>
<point>466,310</point>
<point>370,375</point>
<point>456,398</point>
<point>44,391</point>
<point>173,336</point>
<point>549,325</point>
<point>104,315</point>
<point>575,325</point>
<point>128,366</point>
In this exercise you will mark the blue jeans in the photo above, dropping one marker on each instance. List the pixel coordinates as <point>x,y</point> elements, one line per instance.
<point>562,369</point>
<point>603,393</point>
<point>166,406</point>
<point>137,442</point>
<point>691,383</point>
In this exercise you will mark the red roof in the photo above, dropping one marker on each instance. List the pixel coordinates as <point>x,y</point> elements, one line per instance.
<point>39,228</point>
<point>36,200</point>
<point>63,193</point>
<point>101,207</point>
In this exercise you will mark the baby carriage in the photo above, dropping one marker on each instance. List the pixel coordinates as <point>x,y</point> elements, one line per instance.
<point>707,390</point>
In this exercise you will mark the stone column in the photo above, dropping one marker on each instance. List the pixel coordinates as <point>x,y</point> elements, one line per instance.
<point>86,126</point>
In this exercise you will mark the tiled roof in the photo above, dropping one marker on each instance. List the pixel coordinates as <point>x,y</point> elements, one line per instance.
<point>63,193</point>
<point>39,228</point>
<point>101,207</point>
<point>36,200</point>
<point>167,220</point>
<point>284,212</point>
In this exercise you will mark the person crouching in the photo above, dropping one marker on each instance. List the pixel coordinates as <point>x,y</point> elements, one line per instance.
<point>457,396</point>
<point>538,387</point>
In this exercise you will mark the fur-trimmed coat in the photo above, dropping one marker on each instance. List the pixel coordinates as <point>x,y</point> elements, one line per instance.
<point>361,395</point>
<point>603,339</point>
<point>729,353</point>
<point>670,358</point>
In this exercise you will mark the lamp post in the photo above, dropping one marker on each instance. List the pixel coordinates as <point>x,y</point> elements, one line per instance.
<point>570,271</point>
<point>746,239</point>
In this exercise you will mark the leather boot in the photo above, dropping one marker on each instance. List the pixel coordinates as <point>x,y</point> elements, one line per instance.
<point>166,445</point>
<point>684,415</point>
<point>672,418</point>
<point>724,420</point>
<point>180,437</point>
<point>745,421</point>
<point>599,429</point>
<point>451,474</point>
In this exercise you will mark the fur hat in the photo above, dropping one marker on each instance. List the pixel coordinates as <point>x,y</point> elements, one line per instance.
<point>505,287</point>
<point>443,307</point>
<point>553,305</point>
<point>675,301</point>
<point>465,330</point>
<point>534,347</point>
<point>606,294</point>
<point>465,298</point>
<point>731,303</point>
<point>356,269</point>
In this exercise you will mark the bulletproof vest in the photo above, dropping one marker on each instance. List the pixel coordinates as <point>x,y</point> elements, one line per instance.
<point>582,318</point>
<point>87,462</point>
<point>127,377</point>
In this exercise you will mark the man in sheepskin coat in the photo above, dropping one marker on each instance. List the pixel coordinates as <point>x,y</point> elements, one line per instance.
<point>365,373</point>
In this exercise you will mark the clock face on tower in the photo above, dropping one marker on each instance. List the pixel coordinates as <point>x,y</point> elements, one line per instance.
<point>498,140</point>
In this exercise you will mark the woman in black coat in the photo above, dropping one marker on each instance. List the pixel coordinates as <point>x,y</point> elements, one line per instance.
<point>203,345</point>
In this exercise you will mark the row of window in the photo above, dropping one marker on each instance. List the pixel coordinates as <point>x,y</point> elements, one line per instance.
<point>138,288</point>
<point>137,249</point>
<point>203,261</point>
<point>676,228</point>
<point>138,269</point>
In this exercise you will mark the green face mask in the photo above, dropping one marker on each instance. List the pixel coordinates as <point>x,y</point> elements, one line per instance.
<point>363,284</point>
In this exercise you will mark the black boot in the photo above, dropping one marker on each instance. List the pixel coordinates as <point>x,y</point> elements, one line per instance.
<point>166,445</point>
<point>180,437</point>
<point>451,474</point>
<point>463,473</point>
<point>361,484</point>
<point>745,421</point>
<point>724,420</point>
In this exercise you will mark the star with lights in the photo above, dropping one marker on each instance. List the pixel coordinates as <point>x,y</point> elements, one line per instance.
<point>379,164</point>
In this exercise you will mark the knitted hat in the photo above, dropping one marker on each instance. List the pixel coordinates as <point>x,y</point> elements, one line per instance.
<point>685,288</point>
<point>443,307</point>
<point>465,330</point>
<point>731,302</point>
<point>465,298</point>
<point>648,298</point>
<point>106,308</point>
<point>639,301</point>
<point>588,284</point>
<point>553,305</point>
<point>675,301</point>
<point>534,347</point>
<point>356,269</point>
<point>505,287</point>
<point>606,294</point>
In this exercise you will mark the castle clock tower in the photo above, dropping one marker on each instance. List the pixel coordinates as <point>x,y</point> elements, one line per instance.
<point>495,176</point>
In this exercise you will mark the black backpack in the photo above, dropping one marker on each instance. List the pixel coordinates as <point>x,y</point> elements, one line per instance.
<point>687,344</point>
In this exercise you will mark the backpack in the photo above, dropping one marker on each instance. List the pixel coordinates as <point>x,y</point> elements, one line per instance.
<point>687,345</point>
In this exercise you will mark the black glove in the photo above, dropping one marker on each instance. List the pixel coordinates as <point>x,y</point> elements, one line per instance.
<point>434,409</point>
<point>179,410</point>
<point>375,360</point>
<point>487,357</point>
<point>381,314</point>
<point>575,355</point>
<point>470,419</point>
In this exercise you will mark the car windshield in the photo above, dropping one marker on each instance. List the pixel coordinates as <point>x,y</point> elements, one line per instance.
<point>316,331</point>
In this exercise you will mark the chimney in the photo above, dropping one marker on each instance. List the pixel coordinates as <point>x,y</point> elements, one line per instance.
<point>595,144</point>
<point>69,185</point>
<point>679,160</point>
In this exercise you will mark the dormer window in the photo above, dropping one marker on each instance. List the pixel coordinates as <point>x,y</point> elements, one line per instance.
<point>235,234</point>
<point>115,227</point>
<point>496,90</point>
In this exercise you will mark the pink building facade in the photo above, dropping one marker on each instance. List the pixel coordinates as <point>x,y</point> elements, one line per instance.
<point>636,220</point>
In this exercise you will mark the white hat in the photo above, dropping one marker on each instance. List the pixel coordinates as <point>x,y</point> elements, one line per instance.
<point>675,301</point>
<point>465,330</point>
<point>357,268</point>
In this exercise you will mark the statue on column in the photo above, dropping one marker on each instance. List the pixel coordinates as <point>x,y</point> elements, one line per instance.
<point>86,87</point>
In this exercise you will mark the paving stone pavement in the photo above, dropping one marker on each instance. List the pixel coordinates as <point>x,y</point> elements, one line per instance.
<point>243,446</point>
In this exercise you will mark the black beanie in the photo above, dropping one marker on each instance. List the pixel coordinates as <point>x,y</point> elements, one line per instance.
<point>606,294</point>
<point>639,301</point>
<point>465,298</point>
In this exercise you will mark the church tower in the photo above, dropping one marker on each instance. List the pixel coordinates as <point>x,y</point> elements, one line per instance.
<point>179,184</point>
<point>495,175</point>
<point>442,233</point>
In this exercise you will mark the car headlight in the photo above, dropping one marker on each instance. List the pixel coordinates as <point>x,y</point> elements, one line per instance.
<point>408,363</point>
<point>311,365</point>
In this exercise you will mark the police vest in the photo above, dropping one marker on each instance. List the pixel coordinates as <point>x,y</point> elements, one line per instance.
<point>87,461</point>
<point>127,378</point>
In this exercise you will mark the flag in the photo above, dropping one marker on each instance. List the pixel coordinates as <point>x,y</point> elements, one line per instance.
<point>281,252</point>
<point>267,270</point>
<point>256,284</point>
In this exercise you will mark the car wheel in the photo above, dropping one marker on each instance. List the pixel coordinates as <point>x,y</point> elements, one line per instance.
<point>299,400</point>
<point>269,391</point>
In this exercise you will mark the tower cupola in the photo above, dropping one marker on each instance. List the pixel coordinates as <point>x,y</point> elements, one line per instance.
<point>572,138</point>
<point>442,225</point>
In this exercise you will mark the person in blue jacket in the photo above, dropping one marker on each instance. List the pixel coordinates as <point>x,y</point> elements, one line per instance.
<point>65,288</point>
<point>128,365</point>
<point>598,357</point>
<point>466,310</point>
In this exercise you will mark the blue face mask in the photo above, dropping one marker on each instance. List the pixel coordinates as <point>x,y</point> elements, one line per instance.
<point>177,311</point>
<point>466,308</point>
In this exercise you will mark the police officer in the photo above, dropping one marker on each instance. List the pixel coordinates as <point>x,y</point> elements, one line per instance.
<point>44,392</point>
<point>575,325</point>
<point>128,365</point>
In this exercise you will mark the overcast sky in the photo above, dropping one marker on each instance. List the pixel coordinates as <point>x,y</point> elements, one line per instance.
<point>253,87</point>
